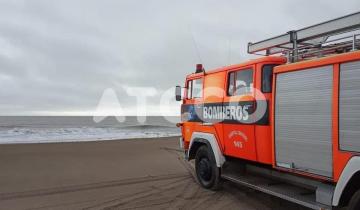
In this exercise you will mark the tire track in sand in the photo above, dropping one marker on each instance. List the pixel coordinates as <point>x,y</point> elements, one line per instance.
<point>92,186</point>
<point>126,199</point>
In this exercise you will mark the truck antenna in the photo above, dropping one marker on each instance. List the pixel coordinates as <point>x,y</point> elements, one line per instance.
<point>195,44</point>
<point>229,53</point>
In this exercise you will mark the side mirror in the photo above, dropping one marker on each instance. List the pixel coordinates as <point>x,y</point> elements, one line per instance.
<point>178,93</point>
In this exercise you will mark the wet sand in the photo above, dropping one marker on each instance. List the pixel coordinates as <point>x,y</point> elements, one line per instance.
<point>118,174</point>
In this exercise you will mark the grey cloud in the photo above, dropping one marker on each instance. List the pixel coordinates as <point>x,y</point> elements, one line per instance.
<point>61,55</point>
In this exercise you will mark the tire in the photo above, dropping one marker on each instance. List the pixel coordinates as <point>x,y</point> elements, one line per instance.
<point>207,173</point>
<point>354,203</point>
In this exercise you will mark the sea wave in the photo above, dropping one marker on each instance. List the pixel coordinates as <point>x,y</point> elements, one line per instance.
<point>11,135</point>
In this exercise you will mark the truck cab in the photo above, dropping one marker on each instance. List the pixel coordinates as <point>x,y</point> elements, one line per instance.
<point>223,102</point>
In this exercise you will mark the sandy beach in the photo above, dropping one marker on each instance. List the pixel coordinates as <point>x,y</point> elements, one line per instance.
<point>118,174</point>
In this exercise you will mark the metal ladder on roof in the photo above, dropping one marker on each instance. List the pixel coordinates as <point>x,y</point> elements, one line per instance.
<point>331,37</point>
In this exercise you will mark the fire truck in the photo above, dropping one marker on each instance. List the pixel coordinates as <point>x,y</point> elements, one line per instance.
<point>287,123</point>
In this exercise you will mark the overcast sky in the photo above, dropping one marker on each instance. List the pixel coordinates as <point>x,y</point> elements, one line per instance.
<point>58,57</point>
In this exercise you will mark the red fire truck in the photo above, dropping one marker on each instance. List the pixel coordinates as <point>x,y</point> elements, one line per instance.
<point>288,123</point>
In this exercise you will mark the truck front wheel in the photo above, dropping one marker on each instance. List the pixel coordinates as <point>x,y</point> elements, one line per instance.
<point>208,174</point>
<point>354,203</point>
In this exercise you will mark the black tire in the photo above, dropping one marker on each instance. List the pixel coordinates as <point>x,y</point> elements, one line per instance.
<point>354,203</point>
<point>207,173</point>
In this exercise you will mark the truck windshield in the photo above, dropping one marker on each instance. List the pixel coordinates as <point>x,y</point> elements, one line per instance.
<point>195,88</point>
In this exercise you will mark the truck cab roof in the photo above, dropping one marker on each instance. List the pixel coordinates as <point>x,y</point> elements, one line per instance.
<point>267,59</point>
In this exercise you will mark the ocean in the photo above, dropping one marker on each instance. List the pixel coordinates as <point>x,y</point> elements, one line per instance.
<point>45,129</point>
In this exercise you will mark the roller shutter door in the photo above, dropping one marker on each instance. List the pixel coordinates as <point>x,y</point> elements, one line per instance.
<point>303,122</point>
<point>349,106</point>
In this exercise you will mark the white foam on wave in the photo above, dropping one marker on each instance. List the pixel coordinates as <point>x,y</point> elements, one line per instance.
<point>17,135</point>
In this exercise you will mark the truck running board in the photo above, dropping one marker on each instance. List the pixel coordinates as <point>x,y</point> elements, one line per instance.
<point>295,194</point>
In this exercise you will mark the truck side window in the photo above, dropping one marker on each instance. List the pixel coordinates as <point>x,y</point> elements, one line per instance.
<point>240,82</point>
<point>266,78</point>
<point>231,88</point>
<point>194,89</point>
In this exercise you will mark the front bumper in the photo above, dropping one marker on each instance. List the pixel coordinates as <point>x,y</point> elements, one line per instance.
<point>181,145</point>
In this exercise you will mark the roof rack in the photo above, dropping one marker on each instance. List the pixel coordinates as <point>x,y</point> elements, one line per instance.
<point>330,37</point>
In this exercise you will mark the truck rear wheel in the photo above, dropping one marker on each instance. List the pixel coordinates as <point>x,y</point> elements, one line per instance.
<point>207,172</point>
<point>354,203</point>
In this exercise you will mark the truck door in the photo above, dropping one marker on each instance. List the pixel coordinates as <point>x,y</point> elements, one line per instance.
<point>264,78</point>
<point>192,106</point>
<point>237,107</point>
